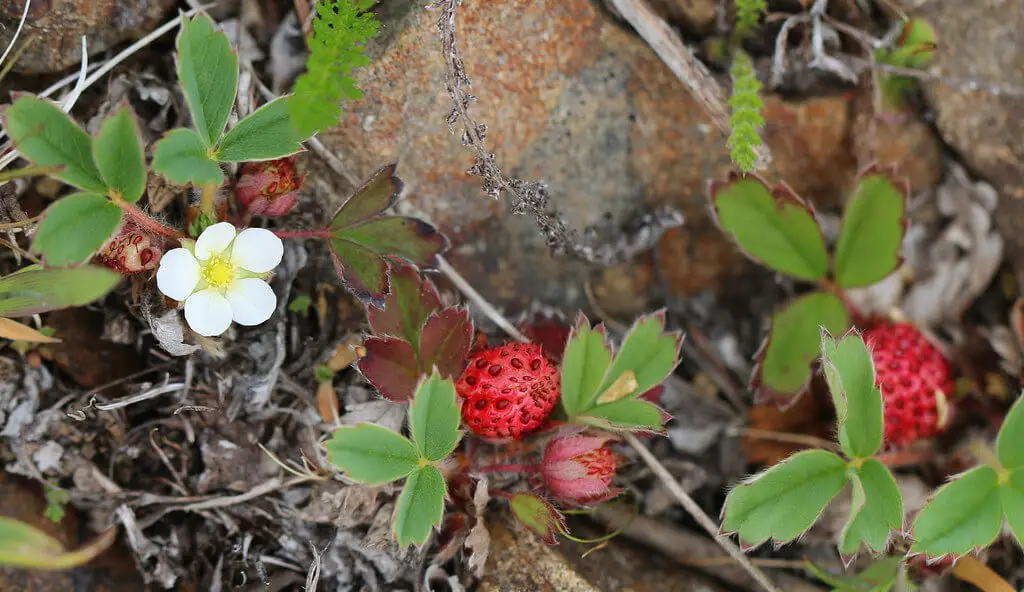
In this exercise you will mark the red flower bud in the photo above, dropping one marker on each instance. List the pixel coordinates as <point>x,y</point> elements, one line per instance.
<point>269,188</point>
<point>578,470</point>
<point>132,250</point>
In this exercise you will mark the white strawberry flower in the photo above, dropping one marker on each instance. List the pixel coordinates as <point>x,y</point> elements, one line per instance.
<point>221,277</point>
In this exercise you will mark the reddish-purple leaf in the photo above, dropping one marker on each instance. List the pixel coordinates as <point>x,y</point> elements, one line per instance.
<point>364,272</point>
<point>407,307</point>
<point>390,366</point>
<point>370,200</point>
<point>394,236</point>
<point>445,341</point>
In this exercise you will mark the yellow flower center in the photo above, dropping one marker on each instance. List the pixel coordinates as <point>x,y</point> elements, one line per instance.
<point>219,272</point>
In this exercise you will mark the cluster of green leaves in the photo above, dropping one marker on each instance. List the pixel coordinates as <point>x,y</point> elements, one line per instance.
<point>208,71</point>
<point>413,334</point>
<point>373,455</point>
<point>748,16</point>
<point>913,47</point>
<point>340,33</point>
<point>785,500</point>
<point>779,230</point>
<point>25,546</point>
<point>604,389</point>
<point>967,513</point>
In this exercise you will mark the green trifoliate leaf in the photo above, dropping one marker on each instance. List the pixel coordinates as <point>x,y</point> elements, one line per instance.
<point>75,227</point>
<point>46,136</point>
<point>420,506</point>
<point>1012,496</point>
<point>1010,444</point>
<point>880,512</point>
<point>872,231</point>
<point>182,158</point>
<point>265,134</point>
<point>584,365</point>
<point>782,502</point>
<point>850,374</point>
<point>434,418</point>
<point>25,546</point>
<point>773,226</point>
<point>371,454</point>
<point>117,151</point>
<point>34,290</point>
<point>648,352</point>
<point>964,514</point>
<point>208,70</point>
<point>794,342</point>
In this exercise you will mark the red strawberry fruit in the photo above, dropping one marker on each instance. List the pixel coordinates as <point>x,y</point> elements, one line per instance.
<point>915,380</point>
<point>508,391</point>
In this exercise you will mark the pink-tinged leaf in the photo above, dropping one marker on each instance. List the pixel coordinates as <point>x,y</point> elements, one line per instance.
<point>407,307</point>
<point>364,272</point>
<point>445,341</point>
<point>390,366</point>
<point>370,200</point>
<point>535,513</point>
<point>410,239</point>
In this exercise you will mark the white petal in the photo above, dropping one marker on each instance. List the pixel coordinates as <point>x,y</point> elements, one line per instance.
<point>214,240</point>
<point>252,301</point>
<point>178,274</point>
<point>257,250</point>
<point>208,313</point>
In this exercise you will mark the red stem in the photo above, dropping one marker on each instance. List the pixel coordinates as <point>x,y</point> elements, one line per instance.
<point>510,468</point>
<point>148,222</point>
<point>320,233</point>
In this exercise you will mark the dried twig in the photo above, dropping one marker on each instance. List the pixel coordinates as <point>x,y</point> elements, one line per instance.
<point>532,197</point>
<point>665,42</point>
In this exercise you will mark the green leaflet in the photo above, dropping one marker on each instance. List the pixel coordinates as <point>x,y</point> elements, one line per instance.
<point>774,227</point>
<point>794,342</point>
<point>963,514</point>
<point>117,151</point>
<point>265,134</point>
<point>75,227</point>
<point>371,454</point>
<point>648,352</point>
<point>434,418</point>
<point>880,512</point>
<point>46,136</point>
<point>1010,443</point>
<point>25,546</point>
<point>32,290</point>
<point>535,513</point>
<point>1012,497</point>
<point>626,414</point>
<point>420,507</point>
<point>873,227</point>
<point>182,158</point>
<point>850,374</point>
<point>782,502</point>
<point>208,71</point>
<point>584,365</point>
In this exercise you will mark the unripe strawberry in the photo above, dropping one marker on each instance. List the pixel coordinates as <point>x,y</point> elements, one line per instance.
<point>508,391</point>
<point>269,188</point>
<point>132,250</point>
<point>915,379</point>
<point>578,470</point>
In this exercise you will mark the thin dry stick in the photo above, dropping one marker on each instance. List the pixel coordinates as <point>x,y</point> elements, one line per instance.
<point>665,42</point>
<point>698,514</point>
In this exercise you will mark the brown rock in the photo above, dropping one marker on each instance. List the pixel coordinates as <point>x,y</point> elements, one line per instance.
<point>694,16</point>
<point>518,561</point>
<point>981,41</point>
<point>56,28</point>
<point>569,97</point>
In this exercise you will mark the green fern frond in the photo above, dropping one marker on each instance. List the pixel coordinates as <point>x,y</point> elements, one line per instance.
<point>748,15</point>
<point>340,32</point>
<point>745,121</point>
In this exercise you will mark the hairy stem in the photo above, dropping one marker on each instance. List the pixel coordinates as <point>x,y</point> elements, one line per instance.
<point>148,222</point>
<point>206,205</point>
<point>319,233</point>
<point>509,468</point>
